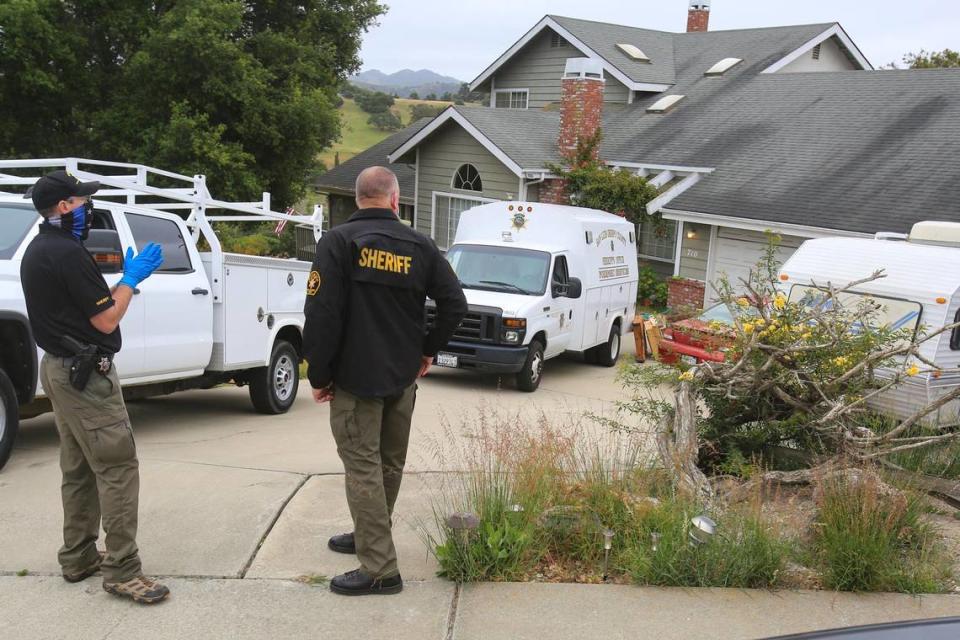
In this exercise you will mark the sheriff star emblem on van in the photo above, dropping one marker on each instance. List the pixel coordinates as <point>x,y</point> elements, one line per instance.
<point>313,283</point>
<point>518,220</point>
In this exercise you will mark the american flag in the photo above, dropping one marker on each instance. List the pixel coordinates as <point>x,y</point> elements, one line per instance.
<point>283,223</point>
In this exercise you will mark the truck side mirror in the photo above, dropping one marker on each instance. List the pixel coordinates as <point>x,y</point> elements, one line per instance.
<point>104,245</point>
<point>574,288</point>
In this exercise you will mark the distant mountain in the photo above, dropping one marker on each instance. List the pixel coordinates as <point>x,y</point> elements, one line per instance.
<point>403,82</point>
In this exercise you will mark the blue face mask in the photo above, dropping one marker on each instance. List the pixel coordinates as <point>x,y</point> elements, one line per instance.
<point>79,221</point>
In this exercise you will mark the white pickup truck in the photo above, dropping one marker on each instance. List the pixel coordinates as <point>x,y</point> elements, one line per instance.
<point>204,318</point>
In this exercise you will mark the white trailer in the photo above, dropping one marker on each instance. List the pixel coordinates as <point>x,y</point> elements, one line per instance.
<point>921,289</point>
<point>540,279</point>
<point>202,319</point>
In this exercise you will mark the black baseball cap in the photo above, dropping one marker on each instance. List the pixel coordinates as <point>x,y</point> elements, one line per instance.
<point>57,186</point>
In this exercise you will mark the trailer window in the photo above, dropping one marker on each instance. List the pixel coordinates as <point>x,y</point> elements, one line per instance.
<point>892,313</point>
<point>166,233</point>
<point>15,222</point>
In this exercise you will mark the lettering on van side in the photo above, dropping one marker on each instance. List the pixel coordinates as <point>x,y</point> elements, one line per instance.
<point>614,273</point>
<point>383,260</point>
<point>610,233</point>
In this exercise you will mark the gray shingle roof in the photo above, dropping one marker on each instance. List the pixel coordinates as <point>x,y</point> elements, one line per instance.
<point>343,178</point>
<point>527,136</point>
<point>675,56</point>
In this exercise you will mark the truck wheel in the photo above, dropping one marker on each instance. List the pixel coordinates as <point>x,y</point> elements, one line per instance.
<point>529,377</point>
<point>9,417</point>
<point>608,353</point>
<point>274,388</point>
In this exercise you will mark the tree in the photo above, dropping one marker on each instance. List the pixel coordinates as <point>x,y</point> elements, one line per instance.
<point>935,60</point>
<point>929,60</point>
<point>414,95</point>
<point>385,121</point>
<point>242,91</point>
<point>447,97</point>
<point>373,101</point>
<point>431,96</point>
<point>418,111</point>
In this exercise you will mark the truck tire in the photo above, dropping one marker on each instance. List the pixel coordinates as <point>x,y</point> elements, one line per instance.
<point>9,417</point>
<point>274,388</point>
<point>608,353</point>
<point>528,379</point>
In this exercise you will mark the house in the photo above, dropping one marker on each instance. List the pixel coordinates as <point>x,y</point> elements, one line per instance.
<point>339,182</point>
<point>787,129</point>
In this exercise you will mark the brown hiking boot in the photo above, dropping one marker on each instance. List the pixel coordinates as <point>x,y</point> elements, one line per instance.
<point>140,589</point>
<point>93,569</point>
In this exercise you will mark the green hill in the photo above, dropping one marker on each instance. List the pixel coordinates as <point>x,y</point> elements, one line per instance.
<point>357,135</point>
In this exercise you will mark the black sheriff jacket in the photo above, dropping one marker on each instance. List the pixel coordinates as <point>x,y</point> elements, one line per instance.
<point>364,311</point>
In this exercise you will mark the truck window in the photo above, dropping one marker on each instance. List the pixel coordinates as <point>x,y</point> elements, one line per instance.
<point>15,222</point>
<point>561,275</point>
<point>166,233</point>
<point>955,334</point>
<point>893,313</point>
<point>505,269</point>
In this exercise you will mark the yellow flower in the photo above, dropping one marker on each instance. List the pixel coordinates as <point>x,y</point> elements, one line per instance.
<point>840,361</point>
<point>806,336</point>
<point>761,322</point>
<point>780,301</point>
<point>686,375</point>
<point>913,370</point>
<point>743,302</point>
<point>747,327</point>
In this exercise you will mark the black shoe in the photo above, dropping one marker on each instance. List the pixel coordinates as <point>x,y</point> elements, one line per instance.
<point>357,583</point>
<point>343,543</point>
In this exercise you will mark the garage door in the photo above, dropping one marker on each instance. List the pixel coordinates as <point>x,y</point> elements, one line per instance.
<point>738,250</point>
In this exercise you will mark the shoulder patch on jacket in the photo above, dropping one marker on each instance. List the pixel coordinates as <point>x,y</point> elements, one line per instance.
<point>313,283</point>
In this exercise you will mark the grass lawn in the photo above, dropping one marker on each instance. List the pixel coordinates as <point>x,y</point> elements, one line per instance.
<point>358,135</point>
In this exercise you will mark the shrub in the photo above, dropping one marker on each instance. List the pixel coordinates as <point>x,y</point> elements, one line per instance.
<point>418,111</point>
<point>868,538</point>
<point>385,121</point>
<point>652,287</point>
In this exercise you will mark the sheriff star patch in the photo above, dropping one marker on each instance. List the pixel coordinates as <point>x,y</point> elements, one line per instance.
<point>313,283</point>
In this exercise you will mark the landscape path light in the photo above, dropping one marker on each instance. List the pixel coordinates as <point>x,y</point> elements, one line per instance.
<point>463,522</point>
<point>703,530</point>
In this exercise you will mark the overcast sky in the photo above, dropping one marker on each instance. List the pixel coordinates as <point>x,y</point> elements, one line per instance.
<point>460,38</point>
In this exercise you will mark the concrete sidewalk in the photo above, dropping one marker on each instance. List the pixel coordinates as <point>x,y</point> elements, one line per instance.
<point>48,608</point>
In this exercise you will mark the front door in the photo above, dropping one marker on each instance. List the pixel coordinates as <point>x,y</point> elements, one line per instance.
<point>177,298</point>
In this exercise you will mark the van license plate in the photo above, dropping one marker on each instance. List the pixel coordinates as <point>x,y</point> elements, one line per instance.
<point>688,359</point>
<point>447,360</point>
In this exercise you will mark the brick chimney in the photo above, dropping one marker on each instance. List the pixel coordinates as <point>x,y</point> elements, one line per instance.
<point>698,16</point>
<point>581,110</point>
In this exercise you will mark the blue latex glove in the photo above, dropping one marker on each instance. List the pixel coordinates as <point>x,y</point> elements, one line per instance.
<point>139,268</point>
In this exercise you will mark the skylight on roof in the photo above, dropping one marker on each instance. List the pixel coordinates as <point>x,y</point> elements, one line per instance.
<point>633,52</point>
<point>664,104</point>
<point>723,66</point>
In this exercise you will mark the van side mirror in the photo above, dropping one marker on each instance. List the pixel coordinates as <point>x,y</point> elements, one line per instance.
<point>104,245</point>
<point>574,288</point>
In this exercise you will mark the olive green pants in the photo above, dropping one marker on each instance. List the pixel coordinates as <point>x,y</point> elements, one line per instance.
<point>372,436</point>
<point>101,478</point>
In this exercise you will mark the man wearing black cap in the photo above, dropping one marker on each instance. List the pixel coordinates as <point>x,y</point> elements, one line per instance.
<point>75,319</point>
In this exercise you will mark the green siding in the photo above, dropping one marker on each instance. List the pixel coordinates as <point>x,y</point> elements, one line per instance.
<point>440,157</point>
<point>694,251</point>
<point>539,68</point>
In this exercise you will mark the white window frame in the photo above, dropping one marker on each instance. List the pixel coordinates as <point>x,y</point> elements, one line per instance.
<point>523,91</point>
<point>676,249</point>
<point>454,178</point>
<point>433,211</point>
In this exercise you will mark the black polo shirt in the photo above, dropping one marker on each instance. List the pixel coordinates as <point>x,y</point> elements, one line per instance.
<point>63,288</point>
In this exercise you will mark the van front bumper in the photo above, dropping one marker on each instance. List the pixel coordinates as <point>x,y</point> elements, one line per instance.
<point>487,358</point>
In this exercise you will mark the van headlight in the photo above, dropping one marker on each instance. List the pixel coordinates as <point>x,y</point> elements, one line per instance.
<point>513,330</point>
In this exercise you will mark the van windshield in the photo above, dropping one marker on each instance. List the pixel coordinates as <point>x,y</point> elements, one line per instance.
<point>506,269</point>
<point>15,222</point>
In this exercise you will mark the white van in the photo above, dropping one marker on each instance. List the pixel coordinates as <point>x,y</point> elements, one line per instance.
<point>921,288</point>
<point>540,279</point>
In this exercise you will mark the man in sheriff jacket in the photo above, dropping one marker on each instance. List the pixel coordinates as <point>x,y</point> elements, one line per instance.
<point>366,345</point>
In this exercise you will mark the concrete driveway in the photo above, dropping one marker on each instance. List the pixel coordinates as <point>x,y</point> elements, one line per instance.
<point>235,506</point>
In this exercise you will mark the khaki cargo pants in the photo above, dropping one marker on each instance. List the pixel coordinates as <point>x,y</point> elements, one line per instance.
<point>101,478</point>
<point>372,436</point>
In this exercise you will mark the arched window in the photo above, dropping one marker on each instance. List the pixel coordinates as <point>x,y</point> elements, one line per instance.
<point>467,178</point>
